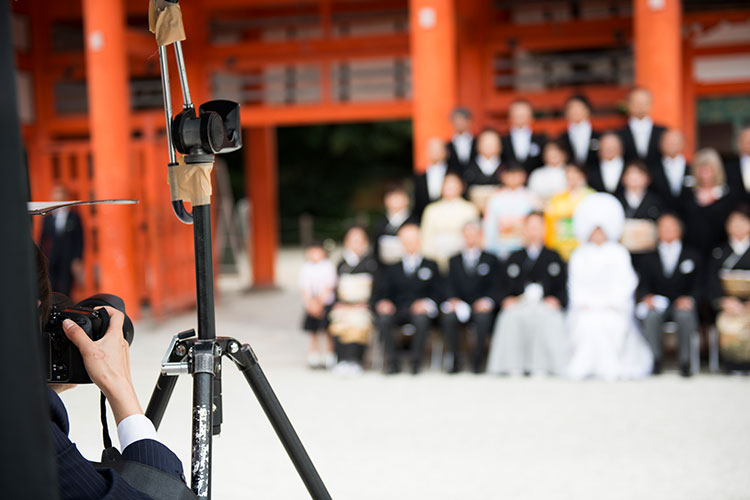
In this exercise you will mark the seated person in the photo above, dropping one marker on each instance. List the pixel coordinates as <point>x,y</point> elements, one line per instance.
<point>472,291</point>
<point>443,220</point>
<point>729,291</point>
<point>506,209</point>
<point>558,215</point>
<point>530,331</point>
<point>669,290</point>
<point>642,208</point>
<point>482,175</point>
<point>604,339</point>
<point>107,363</point>
<point>386,247</point>
<point>549,180</point>
<point>407,293</point>
<point>428,186</point>
<point>350,318</point>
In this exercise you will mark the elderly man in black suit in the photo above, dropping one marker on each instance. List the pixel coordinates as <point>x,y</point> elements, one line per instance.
<point>386,247</point>
<point>473,294</point>
<point>641,136</point>
<point>670,176</point>
<point>738,169</point>
<point>580,140</point>
<point>428,187</point>
<point>407,293</point>
<point>462,146</point>
<point>522,145</point>
<point>606,175</point>
<point>62,242</point>
<point>669,289</point>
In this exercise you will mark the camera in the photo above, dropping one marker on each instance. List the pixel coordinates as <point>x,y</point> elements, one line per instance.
<point>64,363</point>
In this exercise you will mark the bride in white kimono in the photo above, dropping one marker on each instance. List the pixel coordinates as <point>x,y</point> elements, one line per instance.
<point>605,339</point>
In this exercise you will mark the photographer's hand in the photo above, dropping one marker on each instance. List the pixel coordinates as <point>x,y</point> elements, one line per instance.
<point>107,362</point>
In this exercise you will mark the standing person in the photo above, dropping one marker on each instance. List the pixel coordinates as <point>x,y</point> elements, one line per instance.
<point>443,221</point>
<point>522,145</point>
<point>530,332</point>
<point>386,246</point>
<point>62,242</point>
<point>506,210</point>
<point>318,282</point>
<point>606,177</point>
<point>602,283</point>
<point>670,290</point>
<point>473,291</point>
<point>580,140</point>
<point>428,187</point>
<point>462,147</point>
<point>482,176</point>
<point>738,169</point>
<point>351,319</point>
<point>549,180</point>
<point>708,206</point>
<point>558,214</point>
<point>407,292</point>
<point>641,136</point>
<point>670,177</point>
<point>642,208</point>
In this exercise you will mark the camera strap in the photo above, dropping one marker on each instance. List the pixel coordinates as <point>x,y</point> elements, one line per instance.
<point>106,439</point>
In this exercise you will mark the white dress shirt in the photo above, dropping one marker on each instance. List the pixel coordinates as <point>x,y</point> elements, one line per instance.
<point>745,169</point>
<point>670,256</point>
<point>641,130</point>
<point>351,258</point>
<point>634,199</point>
<point>471,257</point>
<point>435,176</point>
<point>135,428</point>
<point>520,138</point>
<point>533,251</point>
<point>488,166</point>
<point>61,217</point>
<point>580,138</point>
<point>411,263</point>
<point>462,143</point>
<point>674,169</point>
<point>739,247</point>
<point>611,172</point>
<point>395,220</point>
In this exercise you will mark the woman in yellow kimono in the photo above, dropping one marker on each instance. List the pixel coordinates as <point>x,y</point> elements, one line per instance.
<point>559,212</point>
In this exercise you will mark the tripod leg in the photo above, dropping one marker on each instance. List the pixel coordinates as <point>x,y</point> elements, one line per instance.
<point>248,364</point>
<point>204,360</point>
<point>160,398</point>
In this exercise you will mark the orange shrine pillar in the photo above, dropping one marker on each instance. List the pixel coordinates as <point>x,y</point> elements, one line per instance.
<point>262,188</point>
<point>657,42</point>
<point>432,35</point>
<point>109,123</point>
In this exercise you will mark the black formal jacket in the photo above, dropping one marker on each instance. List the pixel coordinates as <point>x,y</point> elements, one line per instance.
<point>385,228</point>
<point>595,180</point>
<point>660,186</point>
<point>62,249</point>
<point>473,175</point>
<point>395,285</point>
<point>630,152</point>
<point>733,170</point>
<point>723,258</point>
<point>79,479</point>
<point>532,161</point>
<point>651,206</point>
<point>593,157</point>
<point>454,163</point>
<point>469,285</point>
<point>548,270</point>
<point>705,225</point>
<point>687,278</point>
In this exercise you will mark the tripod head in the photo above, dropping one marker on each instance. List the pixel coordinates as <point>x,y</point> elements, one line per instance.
<point>215,130</point>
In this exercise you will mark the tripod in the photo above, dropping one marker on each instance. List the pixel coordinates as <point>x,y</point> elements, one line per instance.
<point>216,129</point>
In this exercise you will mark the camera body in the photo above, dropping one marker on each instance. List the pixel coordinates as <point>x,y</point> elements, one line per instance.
<point>64,364</point>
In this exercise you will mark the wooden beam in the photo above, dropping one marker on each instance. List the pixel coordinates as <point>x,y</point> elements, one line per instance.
<point>253,116</point>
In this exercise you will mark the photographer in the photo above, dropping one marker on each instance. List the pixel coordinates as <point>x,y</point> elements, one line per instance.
<point>107,362</point>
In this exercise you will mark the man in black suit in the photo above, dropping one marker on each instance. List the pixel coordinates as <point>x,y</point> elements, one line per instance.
<point>738,169</point>
<point>429,185</point>
<point>407,293</point>
<point>606,175</point>
<point>641,136</point>
<point>580,140</point>
<point>670,176</point>
<point>530,332</point>
<point>462,147</point>
<point>638,200</point>
<point>473,294</point>
<point>669,289</point>
<point>386,247</point>
<point>522,145</point>
<point>62,242</point>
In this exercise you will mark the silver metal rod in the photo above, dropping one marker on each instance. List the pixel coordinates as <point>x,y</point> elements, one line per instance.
<point>183,75</point>
<point>167,101</point>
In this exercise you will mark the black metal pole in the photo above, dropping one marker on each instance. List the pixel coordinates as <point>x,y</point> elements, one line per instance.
<point>247,363</point>
<point>204,272</point>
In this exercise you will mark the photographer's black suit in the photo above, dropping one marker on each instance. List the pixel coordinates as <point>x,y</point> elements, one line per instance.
<point>62,248</point>
<point>79,479</point>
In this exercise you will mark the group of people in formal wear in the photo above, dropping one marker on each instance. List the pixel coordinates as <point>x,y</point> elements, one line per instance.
<point>531,255</point>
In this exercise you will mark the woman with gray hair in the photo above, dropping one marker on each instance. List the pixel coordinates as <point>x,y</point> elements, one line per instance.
<point>708,203</point>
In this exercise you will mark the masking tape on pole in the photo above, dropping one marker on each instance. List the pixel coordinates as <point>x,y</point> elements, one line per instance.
<point>165,21</point>
<point>191,183</point>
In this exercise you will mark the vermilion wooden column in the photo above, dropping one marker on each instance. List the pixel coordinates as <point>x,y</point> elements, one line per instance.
<point>433,68</point>
<point>471,23</point>
<point>109,122</point>
<point>657,30</point>
<point>262,188</point>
